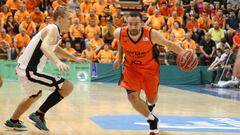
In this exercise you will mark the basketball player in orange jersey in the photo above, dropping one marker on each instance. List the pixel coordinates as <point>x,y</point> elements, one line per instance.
<point>141,68</point>
<point>44,45</point>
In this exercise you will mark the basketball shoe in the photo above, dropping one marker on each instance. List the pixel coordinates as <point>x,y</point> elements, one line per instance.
<point>38,121</point>
<point>153,124</point>
<point>18,126</point>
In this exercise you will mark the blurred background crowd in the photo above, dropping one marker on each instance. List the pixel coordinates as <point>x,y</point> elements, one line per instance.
<point>210,28</point>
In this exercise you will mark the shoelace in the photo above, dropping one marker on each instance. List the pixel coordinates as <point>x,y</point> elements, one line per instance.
<point>19,122</point>
<point>42,119</point>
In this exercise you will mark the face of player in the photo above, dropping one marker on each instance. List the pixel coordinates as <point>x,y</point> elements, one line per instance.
<point>64,22</point>
<point>134,25</point>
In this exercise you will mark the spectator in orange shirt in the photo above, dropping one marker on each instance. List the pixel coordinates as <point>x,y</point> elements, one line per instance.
<point>107,32</point>
<point>113,9</point>
<point>91,29</point>
<point>13,5</point>
<point>69,49</point>
<point>46,22</point>
<point>50,14</point>
<point>174,18</point>
<point>76,32</point>
<point>178,8</point>
<point>164,31</point>
<point>31,4</point>
<point>4,13</point>
<point>118,20</point>
<point>29,25</point>
<point>178,32</point>
<point>91,16</point>
<point>204,22</point>
<point>57,3</point>
<point>21,40</point>
<point>78,14</point>
<point>188,43</point>
<point>107,13</point>
<point>21,14</point>
<point>236,39</point>
<point>89,53</point>
<point>106,55</point>
<point>99,7</point>
<point>11,26</point>
<point>97,42</point>
<point>219,17</point>
<point>5,46</point>
<point>155,21</point>
<point>192,23</point>
<point>151,8</point>
<point>37,16</point>
<point>6,38</point>
<point>164,10</point>
<point>86,6</point>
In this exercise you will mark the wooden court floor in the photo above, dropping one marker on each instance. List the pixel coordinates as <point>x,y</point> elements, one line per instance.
<point>71,116</point>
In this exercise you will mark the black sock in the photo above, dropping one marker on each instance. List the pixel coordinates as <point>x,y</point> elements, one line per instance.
<point>39,114</point>
<point>14,121</point>
<point>52,100</point>
<point>150,107</point>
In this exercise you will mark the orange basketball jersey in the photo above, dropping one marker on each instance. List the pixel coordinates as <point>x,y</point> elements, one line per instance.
<point>140,54</point>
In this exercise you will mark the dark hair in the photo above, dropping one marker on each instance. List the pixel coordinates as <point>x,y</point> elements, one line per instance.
<point>135,14</point>
<point>223,40</point>
<point>179,24</point>
<point>164,26</point>
<point>220,50</point>
<point>227,48</point>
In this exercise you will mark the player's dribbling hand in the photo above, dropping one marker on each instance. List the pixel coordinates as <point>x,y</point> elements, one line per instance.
<point>62,67</point>
<point>116,64</point>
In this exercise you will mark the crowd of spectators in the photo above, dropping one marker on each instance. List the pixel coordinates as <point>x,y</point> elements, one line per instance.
<point>207,27</point>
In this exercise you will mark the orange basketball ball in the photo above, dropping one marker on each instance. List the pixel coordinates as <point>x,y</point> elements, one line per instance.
<point>187,60</point>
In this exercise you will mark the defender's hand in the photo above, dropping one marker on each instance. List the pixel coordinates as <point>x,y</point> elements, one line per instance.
<point>62,67</point>
<point>83,60</point>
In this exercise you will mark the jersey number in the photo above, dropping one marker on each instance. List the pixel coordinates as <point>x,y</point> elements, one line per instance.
<point>136,62</point>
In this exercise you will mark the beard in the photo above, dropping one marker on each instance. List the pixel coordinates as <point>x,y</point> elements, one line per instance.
<point>134,32</point>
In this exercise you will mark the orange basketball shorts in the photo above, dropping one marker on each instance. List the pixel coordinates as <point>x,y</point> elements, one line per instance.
<point>141,79</point>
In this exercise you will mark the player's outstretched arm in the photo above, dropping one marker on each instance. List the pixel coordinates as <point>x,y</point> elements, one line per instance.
<point>158,39</point>
<point>50,38</point>
<point>60,52</point>
<point>119,60</point>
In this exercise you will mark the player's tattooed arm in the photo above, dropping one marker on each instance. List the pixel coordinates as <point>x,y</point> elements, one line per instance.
<point>158,39</point>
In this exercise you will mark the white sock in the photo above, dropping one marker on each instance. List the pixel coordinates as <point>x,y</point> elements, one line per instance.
<point>150,104</point>
<point>150,117</point>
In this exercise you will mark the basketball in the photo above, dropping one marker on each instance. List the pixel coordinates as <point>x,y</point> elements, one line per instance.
<point>187,61</point>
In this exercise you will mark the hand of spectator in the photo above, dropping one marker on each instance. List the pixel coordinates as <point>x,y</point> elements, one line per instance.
<point>62,67</point>
<point>116,64</point>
